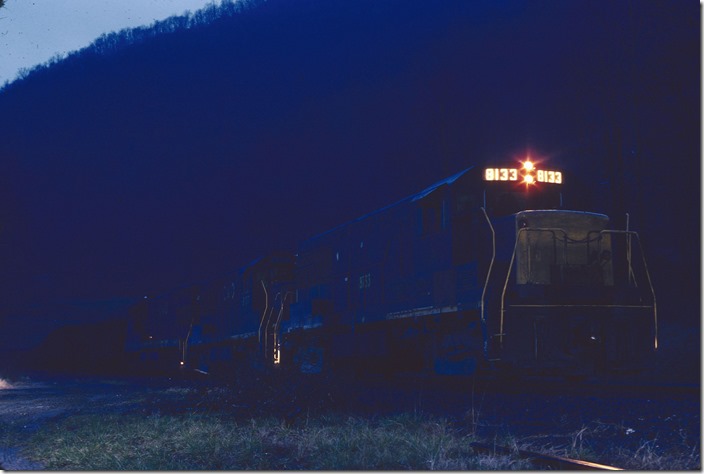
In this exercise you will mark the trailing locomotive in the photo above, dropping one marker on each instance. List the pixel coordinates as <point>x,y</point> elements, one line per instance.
<point>482,269</point>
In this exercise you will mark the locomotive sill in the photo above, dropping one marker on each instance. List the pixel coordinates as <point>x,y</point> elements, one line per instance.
<point>304,327</point>
<point>153,344</point>
<point>243,336</point>
<point>424,311</point>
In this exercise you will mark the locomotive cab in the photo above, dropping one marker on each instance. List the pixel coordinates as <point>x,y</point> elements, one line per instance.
<point>563,248</point>
<point>564,293</point>
<point>571,296</point>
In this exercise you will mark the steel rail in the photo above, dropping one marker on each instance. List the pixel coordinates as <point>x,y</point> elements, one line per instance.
<point>557,462</point>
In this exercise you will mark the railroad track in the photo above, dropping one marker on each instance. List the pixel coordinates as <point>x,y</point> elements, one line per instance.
<point>546,460</point>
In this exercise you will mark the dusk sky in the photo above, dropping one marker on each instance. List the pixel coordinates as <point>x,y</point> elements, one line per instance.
<point>32,32</point>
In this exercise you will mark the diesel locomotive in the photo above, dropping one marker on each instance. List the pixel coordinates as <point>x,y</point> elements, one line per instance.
<point>485,270</point>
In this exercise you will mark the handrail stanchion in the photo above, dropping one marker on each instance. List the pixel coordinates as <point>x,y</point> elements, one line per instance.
<point>488,273</point>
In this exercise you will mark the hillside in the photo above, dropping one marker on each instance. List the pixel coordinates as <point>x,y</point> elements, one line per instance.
<point>163,155</point>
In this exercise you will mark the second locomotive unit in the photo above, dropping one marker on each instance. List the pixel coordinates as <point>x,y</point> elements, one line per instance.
<point>482,269</point>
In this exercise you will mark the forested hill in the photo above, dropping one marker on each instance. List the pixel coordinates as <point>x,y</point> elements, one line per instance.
<point>160,156</point>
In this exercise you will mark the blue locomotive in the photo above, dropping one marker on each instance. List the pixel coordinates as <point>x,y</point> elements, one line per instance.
<point>482,269</point>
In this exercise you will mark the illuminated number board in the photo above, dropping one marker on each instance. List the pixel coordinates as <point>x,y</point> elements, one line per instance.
<point>549,176</point>
<point>530,176</point>
<point>501,174</point>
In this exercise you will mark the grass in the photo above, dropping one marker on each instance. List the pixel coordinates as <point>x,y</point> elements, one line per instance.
<point>186,428</point>
<point>203,441</point>
<point>211,442</point>
<point>610,444</point>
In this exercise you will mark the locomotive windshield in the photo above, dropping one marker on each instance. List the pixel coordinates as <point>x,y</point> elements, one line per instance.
<point>563,248</point>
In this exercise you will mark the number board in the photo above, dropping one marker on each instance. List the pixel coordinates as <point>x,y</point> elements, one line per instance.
<point>523,175</point>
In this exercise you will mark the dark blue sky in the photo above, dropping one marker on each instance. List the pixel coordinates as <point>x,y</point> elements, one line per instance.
<point>154,159</point>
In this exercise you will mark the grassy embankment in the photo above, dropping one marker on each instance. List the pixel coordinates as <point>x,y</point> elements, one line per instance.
<point>209,439</point>
<point>202,441</point>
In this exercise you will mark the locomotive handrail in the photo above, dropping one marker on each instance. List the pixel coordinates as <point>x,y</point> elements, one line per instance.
<point>268,324</point>
<point>184,346</point>
<point>266,308</point>
<point>510,266</point>
<point>491,265</point>
<point>553,231</point>
<point>628,234</point>
<point>628,249</point>
<point>277,353</point>
<point>629,259</point>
